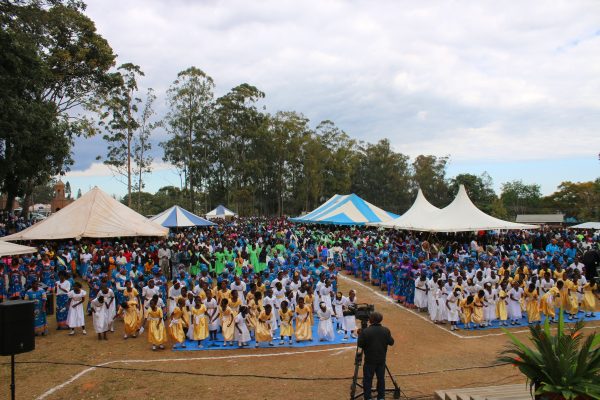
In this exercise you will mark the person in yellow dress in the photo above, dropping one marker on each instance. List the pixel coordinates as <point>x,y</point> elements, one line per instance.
<point>157,333</point>
<point>198,321</point>
<point>501,305</point>
<point>550,300</point>
<point>589,299</point>
<point>223,293</point>
<point>253,311</point>
<point>263,327</point>
<point>303,321</point>
<point>478,305</point>
<point>177,324</point>
<point>235,302</point>
<point>532,306</point>
<point>466,306</point>
<point>227,326</point>
<point>571,302</point>
<point>130,312</point>
<point>286,329</point>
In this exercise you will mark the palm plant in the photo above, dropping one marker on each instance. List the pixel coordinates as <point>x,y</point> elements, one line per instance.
<point>564,365</point>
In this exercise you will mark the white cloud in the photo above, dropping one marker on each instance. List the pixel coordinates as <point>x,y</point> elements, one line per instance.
<point>505,80</point>
<point>98,169</point>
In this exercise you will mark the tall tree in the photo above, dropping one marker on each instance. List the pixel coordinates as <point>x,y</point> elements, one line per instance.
<point>53,64</point>
<point>236,161</point>
<point>429,174</point>
<point>190,101</point>
<point>340,158</point>
<point>382,176</point>
<point>576,199</point>
<point>520,198</point>
<point>119,120</point>
<point>142,158</point>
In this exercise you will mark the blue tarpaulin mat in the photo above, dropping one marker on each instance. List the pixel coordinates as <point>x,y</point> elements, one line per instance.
<point>192,345</point>
<point>523,321</point>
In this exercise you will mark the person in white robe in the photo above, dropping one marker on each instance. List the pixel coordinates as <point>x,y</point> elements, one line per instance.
<point>75,318</point>
<point>325,328</point>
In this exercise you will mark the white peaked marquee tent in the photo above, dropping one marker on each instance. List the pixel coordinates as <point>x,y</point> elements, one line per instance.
<point>459,216</point>
<point>220,212</point>
<point>12,249</point>
<point>462,215</point>
<point>94,215</point>
<point>417,218</point>
<point>587,225</point>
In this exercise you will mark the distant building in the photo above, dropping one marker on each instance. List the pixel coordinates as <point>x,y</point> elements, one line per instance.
<point>59,201</point>
<point>541,219</point>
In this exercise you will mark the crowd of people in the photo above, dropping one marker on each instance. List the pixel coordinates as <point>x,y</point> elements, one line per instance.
<point>268,280</point>
<point>245,281</point>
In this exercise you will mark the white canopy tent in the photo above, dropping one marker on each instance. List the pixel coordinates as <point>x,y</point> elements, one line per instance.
<point>587,225</point>
<point>220,212</point>
<point>462,216</point>
<point>417,218</point>
<point>94,215</point>
<point>13,249</point>
<point>459,216</point>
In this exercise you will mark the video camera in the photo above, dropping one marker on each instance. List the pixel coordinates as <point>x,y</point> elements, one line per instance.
<point>362,311</point>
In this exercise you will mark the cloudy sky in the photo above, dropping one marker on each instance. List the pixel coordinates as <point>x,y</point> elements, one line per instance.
<point>511,88</point>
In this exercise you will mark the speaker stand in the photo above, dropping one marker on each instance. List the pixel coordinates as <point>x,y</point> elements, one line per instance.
<point>12,377</point>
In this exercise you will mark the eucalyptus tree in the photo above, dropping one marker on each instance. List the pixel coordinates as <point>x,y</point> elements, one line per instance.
<point>189,121</point>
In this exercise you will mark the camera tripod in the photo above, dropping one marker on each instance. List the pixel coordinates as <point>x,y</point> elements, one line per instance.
<point>358,362</point>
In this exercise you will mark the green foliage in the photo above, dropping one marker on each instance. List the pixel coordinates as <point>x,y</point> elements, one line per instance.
<point>577,199</point>
<point>480,189</point>
<point>564,363</point>
<point>520,198</point>
<point>53,62</point>
<point>429,174</point>
<point>128,125</point>
<point>189,120</point>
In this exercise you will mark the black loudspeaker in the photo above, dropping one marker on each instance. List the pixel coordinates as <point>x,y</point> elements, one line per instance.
<point>17,333</point>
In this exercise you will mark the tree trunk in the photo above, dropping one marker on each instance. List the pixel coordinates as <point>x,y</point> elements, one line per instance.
<point>129,167</point>
<point>27,199</point>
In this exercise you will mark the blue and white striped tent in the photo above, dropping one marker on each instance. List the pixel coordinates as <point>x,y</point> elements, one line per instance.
<point>177,217</point>
<point>346,209</point>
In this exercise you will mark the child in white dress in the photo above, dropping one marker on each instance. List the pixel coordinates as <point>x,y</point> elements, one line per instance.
<point>101,317</point>
<point>514,303</point>
<point>242,334</point>
<point>75,317</point>
<point>421,293</point>
<point>325,329</point>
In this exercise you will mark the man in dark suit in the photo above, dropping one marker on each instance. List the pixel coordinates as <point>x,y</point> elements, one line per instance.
<point>591,260</point>
<point>374,341</point>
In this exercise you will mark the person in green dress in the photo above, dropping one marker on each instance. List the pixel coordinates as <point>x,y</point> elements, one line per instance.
<point>253,255</point>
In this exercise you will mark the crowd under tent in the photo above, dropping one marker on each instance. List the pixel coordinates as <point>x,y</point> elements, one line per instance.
<point>177,217</point>
<point>94,215</point>
<point>347,209</point>
<point>220,212</point>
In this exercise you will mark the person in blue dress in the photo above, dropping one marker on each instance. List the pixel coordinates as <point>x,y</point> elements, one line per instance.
<point>62,288</point>
<point>2,281</point>
<point>15,283</point>
<point>32,274</point>
<point>38,295</point>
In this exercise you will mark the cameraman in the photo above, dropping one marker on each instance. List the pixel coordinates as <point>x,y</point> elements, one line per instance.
<point>374,341</point>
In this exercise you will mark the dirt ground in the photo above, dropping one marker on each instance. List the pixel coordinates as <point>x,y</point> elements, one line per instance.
<point>425,358</point>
